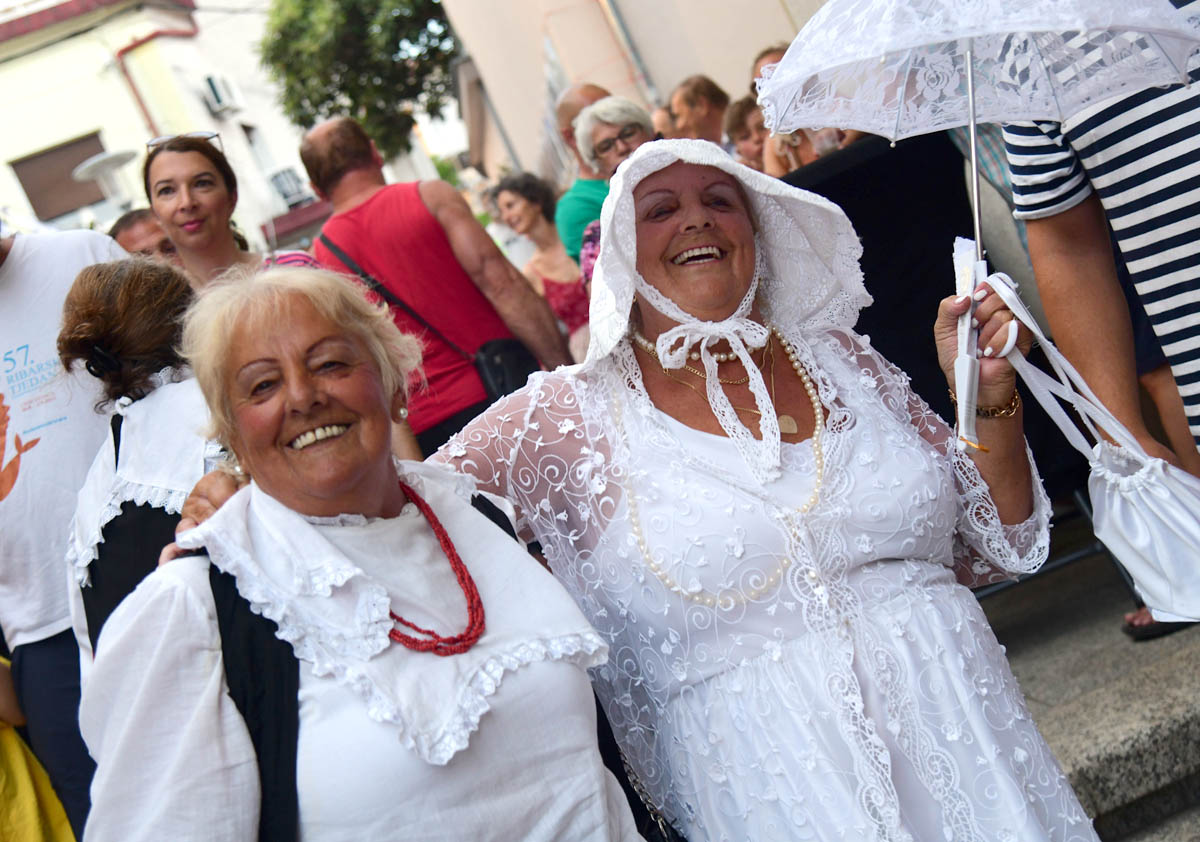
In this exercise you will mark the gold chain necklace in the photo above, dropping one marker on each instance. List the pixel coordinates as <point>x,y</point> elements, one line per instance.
<point>733,597</point>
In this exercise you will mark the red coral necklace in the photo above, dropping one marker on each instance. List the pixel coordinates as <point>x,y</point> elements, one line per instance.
<point>432,641</point>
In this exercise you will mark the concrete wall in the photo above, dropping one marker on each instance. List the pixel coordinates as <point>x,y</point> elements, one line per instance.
<point>67,89</point>
<point>509,43</point>
<point>714,37</point>
<point>65,82</point>
<point>673,38</point>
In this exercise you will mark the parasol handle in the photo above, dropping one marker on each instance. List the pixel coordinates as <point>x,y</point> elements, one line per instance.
<point>968,273</point>
<point>974,137</point>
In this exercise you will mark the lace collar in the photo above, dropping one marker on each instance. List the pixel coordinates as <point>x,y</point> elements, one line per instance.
<point>329,587</point>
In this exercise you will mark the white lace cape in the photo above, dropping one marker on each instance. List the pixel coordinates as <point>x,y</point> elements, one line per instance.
<point>163,458</point>
<point>335,614</point>
<point>554,451</point>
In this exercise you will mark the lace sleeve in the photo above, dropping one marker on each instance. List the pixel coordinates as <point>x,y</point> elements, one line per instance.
<point>524,448</point>
<point>986,550</point>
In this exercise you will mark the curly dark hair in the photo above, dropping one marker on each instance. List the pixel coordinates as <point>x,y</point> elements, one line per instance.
<point>123,321</point>
<point>531,188</point>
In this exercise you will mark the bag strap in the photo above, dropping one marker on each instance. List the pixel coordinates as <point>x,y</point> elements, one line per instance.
<point>386,294</point>
<point>1069,385</point>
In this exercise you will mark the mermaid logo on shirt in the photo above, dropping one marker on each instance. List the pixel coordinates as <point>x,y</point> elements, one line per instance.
<point>8,473</point>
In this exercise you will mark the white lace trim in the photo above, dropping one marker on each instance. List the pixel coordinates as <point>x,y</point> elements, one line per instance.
<point>331,657</point>
<point>586,650</point>
<point>82,552</point>
<point>1013,548</point>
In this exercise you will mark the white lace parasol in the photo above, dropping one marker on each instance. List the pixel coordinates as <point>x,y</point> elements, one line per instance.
<point>898,68</point>
<point>807,274</point>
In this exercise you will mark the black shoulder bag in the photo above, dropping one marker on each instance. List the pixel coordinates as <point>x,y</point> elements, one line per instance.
<point>502,364</point>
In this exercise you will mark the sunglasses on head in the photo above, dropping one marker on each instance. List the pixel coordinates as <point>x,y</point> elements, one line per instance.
<point>212,137</point>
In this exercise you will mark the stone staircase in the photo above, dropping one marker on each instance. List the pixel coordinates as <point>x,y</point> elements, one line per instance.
<point>1123,718</point>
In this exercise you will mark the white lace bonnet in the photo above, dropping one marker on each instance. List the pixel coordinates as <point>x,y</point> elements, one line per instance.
<point>807,269</point>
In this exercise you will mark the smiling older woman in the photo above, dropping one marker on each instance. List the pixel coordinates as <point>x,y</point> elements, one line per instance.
<point>607,131</point>
<point>767,526</point>
<point>366,723</point>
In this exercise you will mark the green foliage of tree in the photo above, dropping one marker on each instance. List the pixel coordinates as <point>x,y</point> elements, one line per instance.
<point>376,60</point>
<point>446,170</point>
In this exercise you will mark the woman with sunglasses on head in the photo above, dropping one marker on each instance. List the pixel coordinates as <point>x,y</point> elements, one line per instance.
<point>526,204</point>
<point>192,190</point>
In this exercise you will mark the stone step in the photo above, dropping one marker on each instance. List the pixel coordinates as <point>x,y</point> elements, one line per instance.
<point>1182,827</point>
<point>1122,717</point>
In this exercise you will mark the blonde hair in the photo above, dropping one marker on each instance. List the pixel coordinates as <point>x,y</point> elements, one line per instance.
<point>237,298</point>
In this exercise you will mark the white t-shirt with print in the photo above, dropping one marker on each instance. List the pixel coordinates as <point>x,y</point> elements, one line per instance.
<point>49,430</point>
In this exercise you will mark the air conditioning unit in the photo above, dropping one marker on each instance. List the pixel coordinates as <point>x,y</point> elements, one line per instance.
<point>220,95</point>
<point>288,183</point>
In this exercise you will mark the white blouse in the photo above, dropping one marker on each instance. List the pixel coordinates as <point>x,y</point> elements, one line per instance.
<point>495,743</point>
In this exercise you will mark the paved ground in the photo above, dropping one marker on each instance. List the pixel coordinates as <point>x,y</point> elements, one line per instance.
<point>1122,717</point>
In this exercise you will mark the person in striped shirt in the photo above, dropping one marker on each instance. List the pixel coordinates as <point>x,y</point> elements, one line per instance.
<point>1130,164</point>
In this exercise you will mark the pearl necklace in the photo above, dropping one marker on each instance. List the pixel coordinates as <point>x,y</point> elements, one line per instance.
<point>732,598</point>
<point>648,346</point>
<point>694,356</point>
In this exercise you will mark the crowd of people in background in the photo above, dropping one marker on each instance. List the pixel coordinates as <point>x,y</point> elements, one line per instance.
<point>404,333</point>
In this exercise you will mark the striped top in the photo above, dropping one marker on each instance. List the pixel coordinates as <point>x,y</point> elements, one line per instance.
<point>1141,155</point>
<point>291,258</point>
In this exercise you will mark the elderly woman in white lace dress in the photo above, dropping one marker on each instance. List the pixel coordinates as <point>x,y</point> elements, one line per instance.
<point>773,531</point>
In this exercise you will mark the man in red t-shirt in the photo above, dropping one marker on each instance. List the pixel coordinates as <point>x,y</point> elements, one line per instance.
<point>421,241</point>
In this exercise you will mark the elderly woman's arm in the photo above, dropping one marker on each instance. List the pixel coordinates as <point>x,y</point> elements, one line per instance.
<point>174,759</point>
<point>531,449</point>
<point>1001,457</point>
<point>1002,526</point>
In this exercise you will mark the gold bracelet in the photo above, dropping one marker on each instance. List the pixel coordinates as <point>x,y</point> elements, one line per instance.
<point>1006,411</point>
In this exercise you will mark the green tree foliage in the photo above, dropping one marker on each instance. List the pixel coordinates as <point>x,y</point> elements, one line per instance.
<point>446,170</point>
<point>376,60</point>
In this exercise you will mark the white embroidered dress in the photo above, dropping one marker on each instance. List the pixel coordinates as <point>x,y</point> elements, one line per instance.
<point>865,696</point>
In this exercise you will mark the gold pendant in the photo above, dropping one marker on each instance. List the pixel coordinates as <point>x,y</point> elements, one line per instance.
<point>788,425</point>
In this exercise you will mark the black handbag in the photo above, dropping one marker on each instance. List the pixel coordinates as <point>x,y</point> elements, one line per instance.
<point>502,364</point>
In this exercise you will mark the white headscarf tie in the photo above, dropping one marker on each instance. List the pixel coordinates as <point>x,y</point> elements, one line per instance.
<point>742,334</point>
